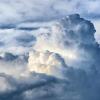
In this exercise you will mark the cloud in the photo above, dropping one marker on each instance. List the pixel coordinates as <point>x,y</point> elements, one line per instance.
<point>22,41</point>
<point>34,82</point>
<point>47,62</point>
<point>62,64</point>
<point>13,12</point>
<point>72,38</point>
<point>5,86</point>
<point>45,58</point>
<point>14,65</point>
<point>97,35</point>
<point>25,40</point>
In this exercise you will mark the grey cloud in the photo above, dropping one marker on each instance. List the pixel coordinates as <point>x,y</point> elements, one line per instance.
<point>14,38</point>
<point>31,10</point>
<point>1,44</point>
<point>71,33</point>
<point>41,87</point>
<point>79,83</point>
<point>82,77</point>
<point>26,40</point>
<point>31,82</point>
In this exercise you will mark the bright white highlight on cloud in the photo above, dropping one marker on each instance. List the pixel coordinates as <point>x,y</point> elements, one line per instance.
<point>97,26</point>
<point>51,40</point>
<point>46,62</point>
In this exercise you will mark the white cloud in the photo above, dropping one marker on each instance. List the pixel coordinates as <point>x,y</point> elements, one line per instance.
<point>4,85</point>
<point>70,40</point>
<point>15,11</point>
<point>47,62</point>
<point>97,26</point>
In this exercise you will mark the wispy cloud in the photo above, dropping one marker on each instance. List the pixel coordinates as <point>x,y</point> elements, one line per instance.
<point>15,11</point>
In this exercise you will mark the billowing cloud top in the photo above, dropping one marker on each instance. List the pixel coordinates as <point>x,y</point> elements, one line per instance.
<point>55,60</point>
<point>72,38</point>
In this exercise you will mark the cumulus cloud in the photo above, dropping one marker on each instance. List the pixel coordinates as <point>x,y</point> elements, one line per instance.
<point>63,62</point>
<point>43,57</point>
<point>72,38</point>
<point>47,62</point>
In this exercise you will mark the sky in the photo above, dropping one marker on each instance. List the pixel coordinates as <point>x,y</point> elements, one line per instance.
<point>49,49</point>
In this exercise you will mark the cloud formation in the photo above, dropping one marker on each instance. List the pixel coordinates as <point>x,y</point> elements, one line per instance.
<point>47,62</point>
<point>49,56</point>
<point>72,38</point>
<point>60,64</point>
<point>15,11</point>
